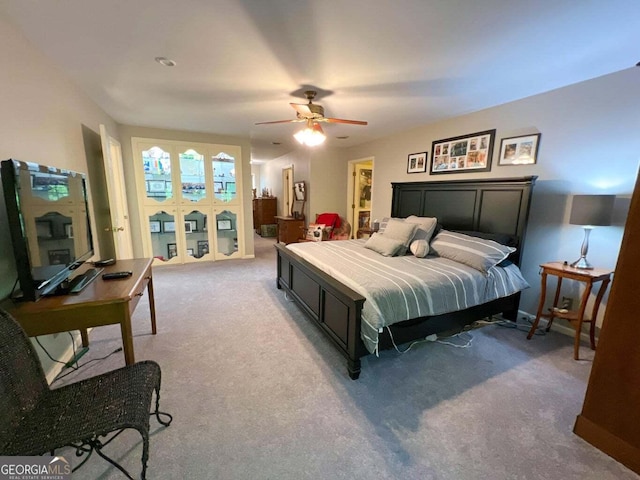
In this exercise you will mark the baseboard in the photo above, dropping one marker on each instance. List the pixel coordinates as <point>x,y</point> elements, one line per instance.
<point>560,328</point>
<point>615,447</point>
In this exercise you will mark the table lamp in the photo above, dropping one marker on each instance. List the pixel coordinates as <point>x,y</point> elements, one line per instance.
<point>590,211</point>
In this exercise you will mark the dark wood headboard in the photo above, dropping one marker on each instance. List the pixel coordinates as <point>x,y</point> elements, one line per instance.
<point>489,205</point>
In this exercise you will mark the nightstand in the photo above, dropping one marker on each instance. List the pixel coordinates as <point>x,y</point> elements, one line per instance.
<point>575,317</point>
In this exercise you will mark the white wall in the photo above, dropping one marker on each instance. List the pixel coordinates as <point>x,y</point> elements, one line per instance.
<point>324,171</point>
<point>41,121</point>
<point>588,145</point>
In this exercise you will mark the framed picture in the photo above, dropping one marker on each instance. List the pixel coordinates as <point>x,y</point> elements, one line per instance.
<point>230,187</point>
<point>224,224</point>
<point>519,150</point>
<point>44,229</point>
<point>364,219</point>
<point>467,153</point>
<point>168,227</point>
<point>68,230</point>
<point>59,257</point>
<point>218,187</point>
<point>417,163</point>
<point>172,250</point>
<point>190,226</point>
<point>154,226</point>
<point>203,247</point>
<point>155,186</point>
<point>190,252</point>
<point>299,191</point>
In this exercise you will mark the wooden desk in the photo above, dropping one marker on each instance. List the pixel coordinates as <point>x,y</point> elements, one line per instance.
<point>575,317</point>
<point>102,302</point>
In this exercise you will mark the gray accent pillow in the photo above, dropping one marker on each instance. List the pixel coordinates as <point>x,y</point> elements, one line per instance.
<point>475,252</point>
<point>426,227</point>
<point>401,230</point>
<point>384,245</point>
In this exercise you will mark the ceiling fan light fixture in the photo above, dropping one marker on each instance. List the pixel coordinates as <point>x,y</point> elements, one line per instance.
<point>311,136</point>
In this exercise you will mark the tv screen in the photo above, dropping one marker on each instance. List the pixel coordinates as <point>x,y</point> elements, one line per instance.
<point>49,224</point>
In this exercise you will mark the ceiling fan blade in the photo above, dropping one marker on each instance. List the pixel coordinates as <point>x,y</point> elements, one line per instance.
<point>279,121</point>
<point>302,108</point>
<point>342,120</point>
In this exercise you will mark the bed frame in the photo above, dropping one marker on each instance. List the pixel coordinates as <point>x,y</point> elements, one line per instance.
<point>490,206</point>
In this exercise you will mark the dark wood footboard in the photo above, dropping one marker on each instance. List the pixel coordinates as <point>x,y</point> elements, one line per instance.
<point>335,308</point>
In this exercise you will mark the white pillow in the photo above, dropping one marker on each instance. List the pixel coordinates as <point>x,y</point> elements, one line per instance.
<point>402,231</point>
<point>419,248</point>
<point>384,245</point>
<point>426,227</point>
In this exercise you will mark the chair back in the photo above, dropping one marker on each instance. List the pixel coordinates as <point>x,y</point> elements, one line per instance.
<point>22,380</point>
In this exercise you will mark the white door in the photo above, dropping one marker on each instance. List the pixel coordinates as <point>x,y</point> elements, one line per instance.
<point>120,228</point>
<point>287,191</point>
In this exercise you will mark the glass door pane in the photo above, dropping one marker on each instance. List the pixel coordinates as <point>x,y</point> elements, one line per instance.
<point>195,228</point>
<point>226,233</point>
<point>157,174</point>
<point>162,226</point>
<point>192,175</point>
<point>224,177</point>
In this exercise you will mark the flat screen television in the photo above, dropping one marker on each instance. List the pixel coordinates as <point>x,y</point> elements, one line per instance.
<point>48,216</point>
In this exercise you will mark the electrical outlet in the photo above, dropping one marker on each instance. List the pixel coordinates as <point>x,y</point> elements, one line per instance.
<point>567,302</point>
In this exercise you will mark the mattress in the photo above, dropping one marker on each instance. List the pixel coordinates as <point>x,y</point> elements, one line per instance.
<point>406,287</point>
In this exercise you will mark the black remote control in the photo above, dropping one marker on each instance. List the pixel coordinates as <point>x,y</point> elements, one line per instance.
<point>116,275</point>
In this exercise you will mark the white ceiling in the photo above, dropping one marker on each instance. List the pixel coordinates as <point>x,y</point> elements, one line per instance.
<point>396,64</point>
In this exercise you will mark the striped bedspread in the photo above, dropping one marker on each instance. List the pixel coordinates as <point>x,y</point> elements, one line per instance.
<point>401,288</point>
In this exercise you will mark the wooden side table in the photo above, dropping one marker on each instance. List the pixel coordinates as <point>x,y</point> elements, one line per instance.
<point>575,317</point>
<point>289,229</point>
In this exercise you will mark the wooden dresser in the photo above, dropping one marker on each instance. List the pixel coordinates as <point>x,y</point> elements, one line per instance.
<point>264,212</point>
<point>289,229</point>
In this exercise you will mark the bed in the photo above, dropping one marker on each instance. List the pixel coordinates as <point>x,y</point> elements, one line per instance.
<point>492,206</point>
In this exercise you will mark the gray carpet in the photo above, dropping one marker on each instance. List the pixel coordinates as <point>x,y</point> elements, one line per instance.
<point>257,392</point>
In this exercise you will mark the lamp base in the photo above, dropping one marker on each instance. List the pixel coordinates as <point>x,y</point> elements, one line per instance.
<point>582,263</point>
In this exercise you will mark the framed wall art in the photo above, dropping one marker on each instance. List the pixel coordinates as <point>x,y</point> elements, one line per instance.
<point>224,224</point>
<point>190,226</point>
<point>169,227</point>
<point>172,250</point>
<point>466,153</point>
<point>521,150</point>
<point>203,247</point>
<point>417,163</point>
<point>154,226</point>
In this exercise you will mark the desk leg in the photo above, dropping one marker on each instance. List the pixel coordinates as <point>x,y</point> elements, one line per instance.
<point>594,313</point>
<point>84,334</point>
<point>152,304</point>
<point>543,294</point>
<point>583,306</point>
<point>127,337</point>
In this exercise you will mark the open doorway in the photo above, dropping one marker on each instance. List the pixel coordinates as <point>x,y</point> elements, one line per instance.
<point>359,197</point>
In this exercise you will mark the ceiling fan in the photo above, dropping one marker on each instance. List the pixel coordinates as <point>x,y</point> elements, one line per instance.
<point>312,113</point>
